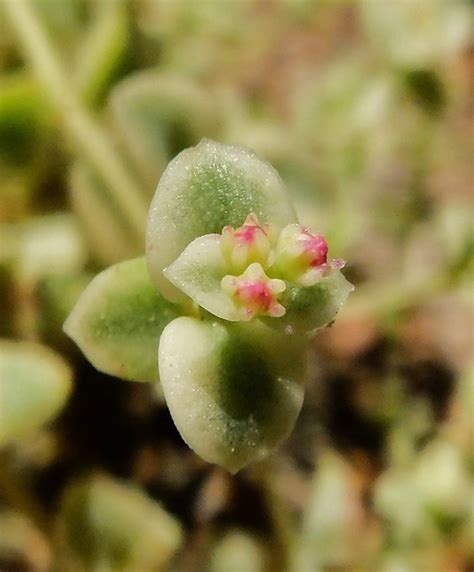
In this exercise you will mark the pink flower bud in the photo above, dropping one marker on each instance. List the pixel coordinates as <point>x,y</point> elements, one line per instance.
<point>302,256</point>
<point>314,247</point>
<point>255,293</point>
<point>249,243</point>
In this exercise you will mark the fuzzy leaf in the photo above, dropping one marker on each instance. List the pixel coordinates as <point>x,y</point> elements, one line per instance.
<point>202,190</point>
<point>106,525</point>
<point>198,272</point>
<point>34,385</point>
<point>118,320</point>
<point>233,390</point>
<point>309,309</point>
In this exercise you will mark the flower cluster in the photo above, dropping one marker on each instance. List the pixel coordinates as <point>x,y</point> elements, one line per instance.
<point>255,293</point>
<point>260,263</point>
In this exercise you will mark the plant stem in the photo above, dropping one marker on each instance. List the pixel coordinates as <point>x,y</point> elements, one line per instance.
<point>279,546</point>
<point>85,133</point>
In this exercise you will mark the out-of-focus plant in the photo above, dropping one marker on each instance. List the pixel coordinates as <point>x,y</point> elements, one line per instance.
<point>417,33</point>
<point>425,498</point>
<point>237,551</point>
<point>106,525</point>
<point>34,385</point>
<point>330,530</point>
<point>228,306</point>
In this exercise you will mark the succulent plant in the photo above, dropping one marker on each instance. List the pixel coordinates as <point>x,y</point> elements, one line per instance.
<point>222,309</point>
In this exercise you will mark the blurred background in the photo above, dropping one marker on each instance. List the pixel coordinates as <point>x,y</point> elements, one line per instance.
<point>365,108</point>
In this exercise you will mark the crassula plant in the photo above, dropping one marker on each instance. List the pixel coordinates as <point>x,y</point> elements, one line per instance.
<point>220,311</point>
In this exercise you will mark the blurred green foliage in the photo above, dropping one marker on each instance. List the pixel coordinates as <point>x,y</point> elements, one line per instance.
<point>364,108</point>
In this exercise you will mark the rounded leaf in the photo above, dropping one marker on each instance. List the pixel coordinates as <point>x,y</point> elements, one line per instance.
<point>204,189</point>
<point>198,272</point>
<point>34,386</point>
<point>118,320</point>
<point>234,390</point>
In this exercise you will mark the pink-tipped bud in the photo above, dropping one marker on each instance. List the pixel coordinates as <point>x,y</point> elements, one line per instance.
<point>302,256</point>
<point>314,248</point>
<point>254,293</point>
<point>252,242</point>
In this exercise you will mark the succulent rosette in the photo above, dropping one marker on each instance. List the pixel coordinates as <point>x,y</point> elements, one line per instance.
<point>220,312</point>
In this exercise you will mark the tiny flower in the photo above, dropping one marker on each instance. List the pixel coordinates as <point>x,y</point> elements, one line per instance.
<point>302,256</point>
<point>252,242</point>
<point>314,247</point>
<point>255,293</point>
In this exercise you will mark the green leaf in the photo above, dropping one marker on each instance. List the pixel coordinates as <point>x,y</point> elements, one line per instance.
<point>202,190</point>
<point>233,390</point>
<point>34,386</point>
<point>159,115</point>
<point>198,272</point>
<point>118,321</point>
<point>107,525</point>
<point>311,308</point>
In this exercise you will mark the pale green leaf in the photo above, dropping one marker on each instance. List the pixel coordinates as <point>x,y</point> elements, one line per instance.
<point>106,525</point>
<point>118,320</point>
<point>34,386</point>
<point>233,390</point>
<point>198,273</point>
<point>159,115</point>
<point>202,190</point>
<point>50,245</point>
<point>311,308</point>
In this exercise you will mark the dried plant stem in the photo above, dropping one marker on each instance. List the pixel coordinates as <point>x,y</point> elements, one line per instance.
<point>83,130</point>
